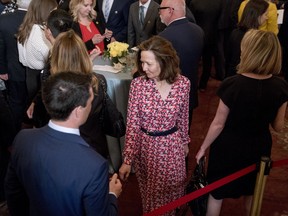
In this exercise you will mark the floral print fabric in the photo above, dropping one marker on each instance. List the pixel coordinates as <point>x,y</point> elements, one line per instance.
<point>159,161</point>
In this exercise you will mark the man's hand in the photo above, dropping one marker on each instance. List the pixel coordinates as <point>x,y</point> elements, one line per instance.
<point>115,185</point>
<point>4,76</point>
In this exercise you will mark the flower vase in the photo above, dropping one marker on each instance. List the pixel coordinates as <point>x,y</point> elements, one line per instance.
<point>118,63</point>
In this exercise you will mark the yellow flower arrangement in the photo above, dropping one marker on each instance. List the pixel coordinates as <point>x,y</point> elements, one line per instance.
<point>116,51</point>
<point>122,59</point>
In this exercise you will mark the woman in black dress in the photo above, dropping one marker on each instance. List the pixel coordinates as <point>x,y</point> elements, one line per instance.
<point>249,102</point>
<point>254,15</point>
<point>69,54</point>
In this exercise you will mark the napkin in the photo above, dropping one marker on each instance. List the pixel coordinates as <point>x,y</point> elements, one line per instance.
<point>107,68</point>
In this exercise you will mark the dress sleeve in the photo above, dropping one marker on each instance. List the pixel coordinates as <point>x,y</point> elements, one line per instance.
<point>133,123</point>
<point>183,119</point>
<point>284,90</point>
<point>225,93</point>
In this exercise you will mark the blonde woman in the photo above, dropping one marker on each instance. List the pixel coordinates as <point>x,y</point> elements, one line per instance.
<point>87,26</point>
<point>67,47</point>
<point>250,102</point>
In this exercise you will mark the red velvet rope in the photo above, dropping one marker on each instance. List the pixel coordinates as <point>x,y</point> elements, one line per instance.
<point>279,163</point>
<point>181,201</point>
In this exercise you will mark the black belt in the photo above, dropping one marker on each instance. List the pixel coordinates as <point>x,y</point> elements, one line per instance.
<point>160,133</point>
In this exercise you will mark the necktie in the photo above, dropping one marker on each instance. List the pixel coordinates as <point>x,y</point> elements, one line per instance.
<point>141,15</point>
<point>107,9</point>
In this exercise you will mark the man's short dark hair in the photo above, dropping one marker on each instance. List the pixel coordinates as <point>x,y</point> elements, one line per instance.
<point>65,91</point>
<point>59,21</point>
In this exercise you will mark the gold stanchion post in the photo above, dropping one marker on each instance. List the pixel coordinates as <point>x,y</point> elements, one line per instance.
<point>260,186</point>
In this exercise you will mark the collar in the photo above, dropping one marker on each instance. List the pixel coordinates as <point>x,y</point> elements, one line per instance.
<point>146,5</point>
<point>180,18</point>
<point>22,9</point>
<point>56,127</point>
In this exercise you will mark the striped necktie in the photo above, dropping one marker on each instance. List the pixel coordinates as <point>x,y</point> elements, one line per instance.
<point>107,9</point>
<point>141,15</point>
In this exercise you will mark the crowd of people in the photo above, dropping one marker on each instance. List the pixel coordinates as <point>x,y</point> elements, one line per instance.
<point>60,166</point>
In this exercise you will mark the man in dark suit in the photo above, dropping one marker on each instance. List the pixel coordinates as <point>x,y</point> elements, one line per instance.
<point>13,73</point>
<point>187,39</point>
<point>207,14</point>
<point>53,171</point>
<point>11,70</point>
<point>138,32</point>
<point>115,17</point>
<point>189,14</point>
<point>7,134</point>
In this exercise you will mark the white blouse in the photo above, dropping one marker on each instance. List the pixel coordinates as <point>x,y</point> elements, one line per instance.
<point>35,52</point>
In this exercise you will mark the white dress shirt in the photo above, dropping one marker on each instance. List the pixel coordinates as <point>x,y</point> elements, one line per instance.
<point>146,5</point>
<point>63,129</point>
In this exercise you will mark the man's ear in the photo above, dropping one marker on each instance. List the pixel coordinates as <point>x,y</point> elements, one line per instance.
<point>78,112</point>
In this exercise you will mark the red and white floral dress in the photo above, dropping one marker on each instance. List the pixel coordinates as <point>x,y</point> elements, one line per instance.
<point>159,161</point>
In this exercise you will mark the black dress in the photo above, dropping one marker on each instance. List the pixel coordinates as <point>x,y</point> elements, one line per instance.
<point>92,130</point>
<point>246,137</point>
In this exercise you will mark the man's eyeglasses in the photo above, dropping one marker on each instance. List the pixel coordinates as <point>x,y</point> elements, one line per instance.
<point>162,8</point>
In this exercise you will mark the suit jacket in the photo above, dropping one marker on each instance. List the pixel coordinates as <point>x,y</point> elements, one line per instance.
<point>189,49</point>
<point>9,57</point>
<point>152,24</point>
<point>118,18</point>
<point>207,14</point>
<point>56,173</point>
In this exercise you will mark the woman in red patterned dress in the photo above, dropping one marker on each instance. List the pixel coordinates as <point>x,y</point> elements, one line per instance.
<point>157,125</point>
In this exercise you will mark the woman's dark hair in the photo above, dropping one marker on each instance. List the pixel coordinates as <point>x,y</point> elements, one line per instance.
<point>252,11</point>
<point>166,56</point>
<point>59,21</point>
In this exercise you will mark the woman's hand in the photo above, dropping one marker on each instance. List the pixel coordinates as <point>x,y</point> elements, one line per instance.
<point>112,39</point>
<point>94,53</point>
<point>200,154</point>
<point>108,34</point>
<point>4,76</point>
<point>186,150</point>
<point>124,171</point>
<point>97,38</point>
<point>30,110</point>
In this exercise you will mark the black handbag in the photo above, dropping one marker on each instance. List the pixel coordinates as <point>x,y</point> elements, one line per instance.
<point>112,119</point>
<point>198,206</point>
